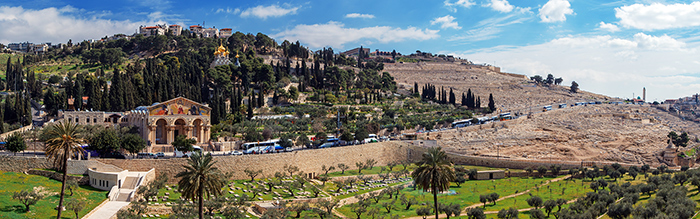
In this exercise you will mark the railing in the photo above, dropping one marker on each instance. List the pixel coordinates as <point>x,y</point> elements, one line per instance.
<point>113,193</point>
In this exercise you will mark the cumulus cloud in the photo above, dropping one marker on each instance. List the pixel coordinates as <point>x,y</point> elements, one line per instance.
<point>335,34</point>
<point>500,5</point>
<point>58,25</point>
<point>555,11</point>
<point>608,27</point>
<point>605,64</point>
<point>358,15</point>
<point>462,3</point>
<point>265,12</point>
<point>446,22</point>
<point>659,16</point>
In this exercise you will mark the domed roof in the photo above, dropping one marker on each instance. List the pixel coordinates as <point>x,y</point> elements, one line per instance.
<point>221,51</point>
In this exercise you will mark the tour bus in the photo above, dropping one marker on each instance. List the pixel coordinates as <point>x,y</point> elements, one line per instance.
<point>461,123</point>
<point>263,147</point>
<point>505,116</point>
<point>330,142</point>
<point>196,149</point>
<point>546,108</point>
<point>484,120</point>
<point>563,105</point>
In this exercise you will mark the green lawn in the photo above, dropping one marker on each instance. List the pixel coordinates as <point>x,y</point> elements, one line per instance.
<point>11,182</point>
<point>466,195</point>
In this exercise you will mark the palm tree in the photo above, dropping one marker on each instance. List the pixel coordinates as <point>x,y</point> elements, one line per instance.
<point>434,172</point>
<point>200,179</point>
<point>62,142</point>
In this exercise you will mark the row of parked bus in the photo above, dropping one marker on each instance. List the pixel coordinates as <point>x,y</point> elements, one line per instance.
<point>264,147</point>
<point>481,120</point>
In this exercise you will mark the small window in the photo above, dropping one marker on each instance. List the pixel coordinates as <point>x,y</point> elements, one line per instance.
<point>94,120</point>
<point>87,120</point>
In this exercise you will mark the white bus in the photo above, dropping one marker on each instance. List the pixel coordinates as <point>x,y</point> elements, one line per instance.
<point>263,147</point>
<point>484,120</point>
<point>546,108</point>
<point>196,149</point>
<point>505,116</point>
<point>461,123</point>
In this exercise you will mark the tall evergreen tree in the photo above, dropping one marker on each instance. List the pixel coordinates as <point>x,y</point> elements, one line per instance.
<point>492,104</point>
<point>452,97</point>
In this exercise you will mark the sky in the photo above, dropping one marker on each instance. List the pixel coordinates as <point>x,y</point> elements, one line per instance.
<point>615,48</point>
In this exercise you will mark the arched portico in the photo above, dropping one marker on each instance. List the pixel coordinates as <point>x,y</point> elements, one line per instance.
<point>197,130</point>
<point>162,132</point>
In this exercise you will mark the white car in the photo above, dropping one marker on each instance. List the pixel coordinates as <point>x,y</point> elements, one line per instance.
<point>235,153</point>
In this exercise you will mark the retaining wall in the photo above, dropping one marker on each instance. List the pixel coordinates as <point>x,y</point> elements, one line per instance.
<point>22,164</point>
<point>507,162</point>
<point>308,161</point>
<point>59,176</point>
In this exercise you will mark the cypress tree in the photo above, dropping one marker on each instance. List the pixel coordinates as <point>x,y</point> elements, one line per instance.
<point>250,107</point>
<point>470,101</point>
<point>452,97</point>
<point>492,104</point>
<point>415,87</point>
<point>478,102</point>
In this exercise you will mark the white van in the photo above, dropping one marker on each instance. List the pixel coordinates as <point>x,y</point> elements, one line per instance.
<point>195,149</point>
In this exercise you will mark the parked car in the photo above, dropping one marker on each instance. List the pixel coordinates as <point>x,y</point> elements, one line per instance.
<point>326,145</point>
<point>235,153</point>
<point>160,154</point>
<point>146,155</point>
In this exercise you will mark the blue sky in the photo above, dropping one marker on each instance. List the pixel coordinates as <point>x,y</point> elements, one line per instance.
<point>609,47</point>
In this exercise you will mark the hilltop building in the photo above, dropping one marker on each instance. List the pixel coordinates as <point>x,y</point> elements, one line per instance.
<point>355,51</point>
<point>152,30</point>
<point>175,29</point>
<point>158,123</point>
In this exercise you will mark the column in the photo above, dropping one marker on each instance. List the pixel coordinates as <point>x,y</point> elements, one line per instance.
<point>205,133</point>
<point>188,130</point>
<point>171,135</point>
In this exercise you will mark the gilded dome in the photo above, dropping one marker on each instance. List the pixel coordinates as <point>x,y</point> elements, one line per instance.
<point>221,51</point>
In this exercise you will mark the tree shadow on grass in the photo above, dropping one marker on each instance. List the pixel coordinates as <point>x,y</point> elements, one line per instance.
<point>13,208</point>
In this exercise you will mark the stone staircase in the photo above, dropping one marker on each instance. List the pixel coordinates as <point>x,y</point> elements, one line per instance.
<point>130,182</point>
<point>123,197</point>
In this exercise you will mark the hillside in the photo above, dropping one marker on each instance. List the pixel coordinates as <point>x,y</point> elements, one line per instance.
<point>616,133</point>
<point>511,93</point>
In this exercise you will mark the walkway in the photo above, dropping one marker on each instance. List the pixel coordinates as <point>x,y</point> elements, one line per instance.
<point>107,210</point>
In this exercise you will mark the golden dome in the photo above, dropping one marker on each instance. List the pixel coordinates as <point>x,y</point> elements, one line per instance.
<point>222,51</point>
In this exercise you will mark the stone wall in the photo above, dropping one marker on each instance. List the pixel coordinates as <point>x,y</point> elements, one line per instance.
<point>506,162</point>
<point>22,164</point>
<point>59,176</point>
<point>307,160</point>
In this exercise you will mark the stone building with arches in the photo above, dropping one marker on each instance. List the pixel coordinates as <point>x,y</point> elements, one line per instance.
<point>160,123</point>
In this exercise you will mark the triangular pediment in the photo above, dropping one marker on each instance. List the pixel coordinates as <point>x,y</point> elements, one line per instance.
<point>178,106</point>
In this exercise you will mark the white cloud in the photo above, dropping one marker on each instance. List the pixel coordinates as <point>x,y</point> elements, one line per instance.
<point>608,27</point>
<point>500,5</point>
<point>659,16</point>
<point>463,3</point>
<point>478,34</point>
<point>228,11</point>
<point>58,25</point>
<point>358,15</point>
<point>605,64</point>
<point>264,12</point>
<point>555,11</point>
<point>336,35</point>
<point>446,22</point>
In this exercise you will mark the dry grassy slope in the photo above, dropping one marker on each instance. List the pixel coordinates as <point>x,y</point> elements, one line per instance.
<point>510,93</point>
<point>624,133</point>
